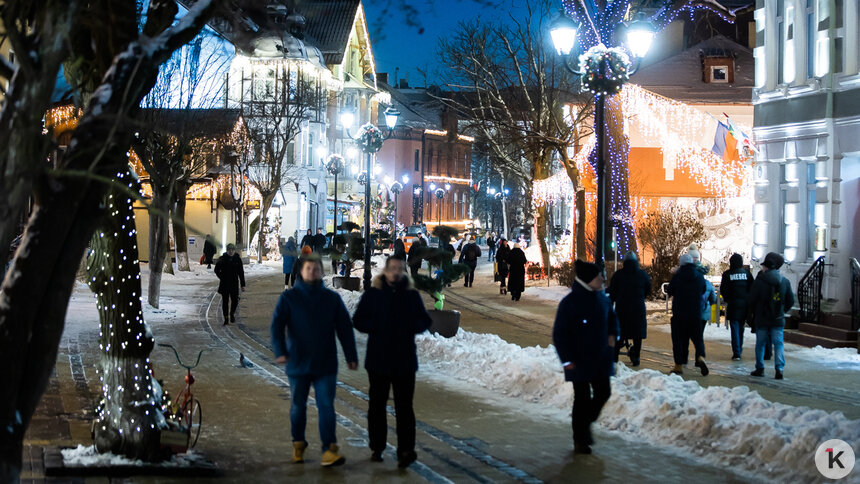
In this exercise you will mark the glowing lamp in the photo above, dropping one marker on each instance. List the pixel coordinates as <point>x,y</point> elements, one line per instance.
<point>563,32</point>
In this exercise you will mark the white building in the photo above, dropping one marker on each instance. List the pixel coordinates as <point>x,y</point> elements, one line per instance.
<point>807,128</point>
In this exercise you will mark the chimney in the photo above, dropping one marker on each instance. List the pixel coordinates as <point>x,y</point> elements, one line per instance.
<point>396,72</point>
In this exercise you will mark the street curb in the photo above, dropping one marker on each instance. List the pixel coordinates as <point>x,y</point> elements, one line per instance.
<point>55,466</point>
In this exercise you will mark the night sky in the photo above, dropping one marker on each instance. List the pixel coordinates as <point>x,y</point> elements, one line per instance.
<point>396,43</point>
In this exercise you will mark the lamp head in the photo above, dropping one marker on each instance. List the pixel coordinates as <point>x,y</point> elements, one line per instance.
<point>432,187</point>
<point>491,191</point>
<point>346,119</point>
<point>447,187</point>
<point>321,151</point>
<point>563,32</point>
<point>391,116</point>
<point>405,179</point>
<point>640,34</point>
<point>351,152</point>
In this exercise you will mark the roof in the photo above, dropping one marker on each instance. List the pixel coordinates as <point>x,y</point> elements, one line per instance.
<point>196,123</point>
<point>329,23</point>
<point>418,109</point>
<point>680,77</point>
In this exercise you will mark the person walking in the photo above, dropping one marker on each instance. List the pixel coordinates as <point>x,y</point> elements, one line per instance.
<point>491,246</point>
<point>469,256</point>
<point>312,316</point>
<point>399,249</point>
<point>291,255</point>
<point>231,275</point>
<point>708,299</point>
<point>516,272</point>
<point>308,240</point>
<point>502,265</point>
<point>735,286</point>
<point>391,312</point>
<point>687,288</point>
<point>770,298</point>
<point>628,289</point>
<point>319,241</point>
<point>209,251</point>
<point>585,334</point>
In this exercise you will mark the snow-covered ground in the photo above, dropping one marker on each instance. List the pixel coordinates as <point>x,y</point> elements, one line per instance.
<point>733,427</point>
<point>87,456</point>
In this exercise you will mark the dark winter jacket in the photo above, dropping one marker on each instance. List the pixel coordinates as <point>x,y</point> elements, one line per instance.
<point>209,250</point>
<point>517,270</point>
<point>230,273</point>
<point>312,316</point>
<point>307,240</point>
<point>760,294</point>
<point>399,249</point>
<point>391,316</point>
<point>687,288</point>
<point>583,323</point>
<point>470,254</point>
<point>290,256</point>
<point>628,289</point>
<point>491,242</point>
<point>502,254</point>
<point>735,289</point>
<point>319,242</point>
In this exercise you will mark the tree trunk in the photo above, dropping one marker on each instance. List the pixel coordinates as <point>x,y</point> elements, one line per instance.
<point>581,249</point>
<point>180,234</point>
<point>158,241</point>
<point>129,421</point>
<point>504,210</point>
<point>265,205</point>
<point>618,212</point>
<point>240,237</point>
<point>541,172</point>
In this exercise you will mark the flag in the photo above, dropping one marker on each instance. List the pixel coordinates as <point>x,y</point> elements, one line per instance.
<point>725,145</point>
<point>742,138</point>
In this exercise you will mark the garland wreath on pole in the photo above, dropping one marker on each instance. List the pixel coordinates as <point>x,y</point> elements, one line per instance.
<point>370,138</point>
<point>604,69</point>
<point>335,164</point>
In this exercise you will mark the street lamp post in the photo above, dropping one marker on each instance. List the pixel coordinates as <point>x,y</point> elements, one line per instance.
<point>439,192</point>
<point>639,35</point>
<point>335,166</point>
<point>369,147</point>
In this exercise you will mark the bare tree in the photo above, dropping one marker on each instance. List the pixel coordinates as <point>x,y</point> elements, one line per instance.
<point>512,89</point>
<point>117,63</point>
<point>667,232</point>
<point>282,101</point>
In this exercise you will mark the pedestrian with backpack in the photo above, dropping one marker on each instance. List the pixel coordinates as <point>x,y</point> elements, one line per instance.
<point>770,298</point>
<point>469,256</point>
<point>491,246</point>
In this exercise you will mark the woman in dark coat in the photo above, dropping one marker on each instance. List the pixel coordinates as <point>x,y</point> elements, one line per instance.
<point>399,249</point>
<point>628,290</point>
<point>735,289</point>
<point>517,267</point>
<point>209,251</point>
<point>502,254</point>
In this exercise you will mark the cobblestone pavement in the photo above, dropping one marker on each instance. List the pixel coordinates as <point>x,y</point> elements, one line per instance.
<point>464,435</point>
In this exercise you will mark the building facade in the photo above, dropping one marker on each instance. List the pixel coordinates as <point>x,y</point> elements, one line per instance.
<point>807,130</point>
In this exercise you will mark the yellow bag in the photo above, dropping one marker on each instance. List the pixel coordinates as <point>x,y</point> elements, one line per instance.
<point>715,313</point>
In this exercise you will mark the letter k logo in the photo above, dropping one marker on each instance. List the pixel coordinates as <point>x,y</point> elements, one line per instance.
<point>834,459</point>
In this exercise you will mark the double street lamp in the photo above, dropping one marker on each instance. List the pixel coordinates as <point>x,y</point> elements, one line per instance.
<point>638,36</point>
<point>370,140</point>
<point>439,192</point>
<point>396,187</point>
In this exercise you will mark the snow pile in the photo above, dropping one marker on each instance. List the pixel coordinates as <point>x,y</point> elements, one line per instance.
<point>551,293</point>
<point>350,298</point>
<point>87,456</point>
<point>728,426</point>
<point>254,267</point>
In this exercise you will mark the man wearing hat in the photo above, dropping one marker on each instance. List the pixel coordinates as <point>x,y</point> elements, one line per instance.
<point>687,288</point>
<point>230,274</point>
<point>770,298</point>
<point>584,335</point>
<point>628,289</point>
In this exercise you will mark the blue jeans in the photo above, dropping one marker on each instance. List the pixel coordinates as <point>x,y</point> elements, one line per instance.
<point>324,389</point>
<point>492,252</point>
<point>764,336</point>
<point>737,328</point>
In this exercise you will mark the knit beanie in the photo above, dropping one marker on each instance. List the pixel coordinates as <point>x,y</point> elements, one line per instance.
<point>586,271</point>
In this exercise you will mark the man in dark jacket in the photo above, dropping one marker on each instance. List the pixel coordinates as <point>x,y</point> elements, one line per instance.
<point>307,240</point>
<point>687,288</point>
<point>312,316</point>
<point>491,246</point>
<point>391,312</point>
<point>209,251</point>
<point>628,289</point>
<point>469,256</point>
<point>319,241</point>
<point>770,298</point>
<point>584,335</point>
<point>231,275</point>
<point>734,288</point>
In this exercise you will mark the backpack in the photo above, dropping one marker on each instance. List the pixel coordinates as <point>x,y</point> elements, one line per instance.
<point>773,307</point>
<point>470,253</point>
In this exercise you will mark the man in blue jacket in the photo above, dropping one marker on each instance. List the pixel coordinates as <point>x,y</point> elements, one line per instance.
<point>584,335</point>
<point>312,316</point>
<point>687,288</point>
<point>391,312</point>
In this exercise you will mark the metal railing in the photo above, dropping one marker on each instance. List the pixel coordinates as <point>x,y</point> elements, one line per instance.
<point>809,291</point>
<point>855,294</point>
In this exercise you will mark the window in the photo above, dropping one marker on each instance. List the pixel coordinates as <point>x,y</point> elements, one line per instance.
<point>291,154</point>
<point>264,83</point>
<point>811,34</point>
<point>788,61</point>
<point>780,44</point>
<point>720,74</point>
<point>310,150</point>
<point>417,160</point>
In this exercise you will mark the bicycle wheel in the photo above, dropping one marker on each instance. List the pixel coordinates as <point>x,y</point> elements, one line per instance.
<point>192,415</point>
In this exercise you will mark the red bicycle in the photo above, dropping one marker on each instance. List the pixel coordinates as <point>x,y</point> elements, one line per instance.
<point>185,411</point>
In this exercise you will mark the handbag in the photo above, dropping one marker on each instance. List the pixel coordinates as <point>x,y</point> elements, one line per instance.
<point>202,259</point>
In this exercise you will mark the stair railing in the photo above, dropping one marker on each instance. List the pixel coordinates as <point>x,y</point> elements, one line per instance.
<point>809,291</point>
<point>855,294</point>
